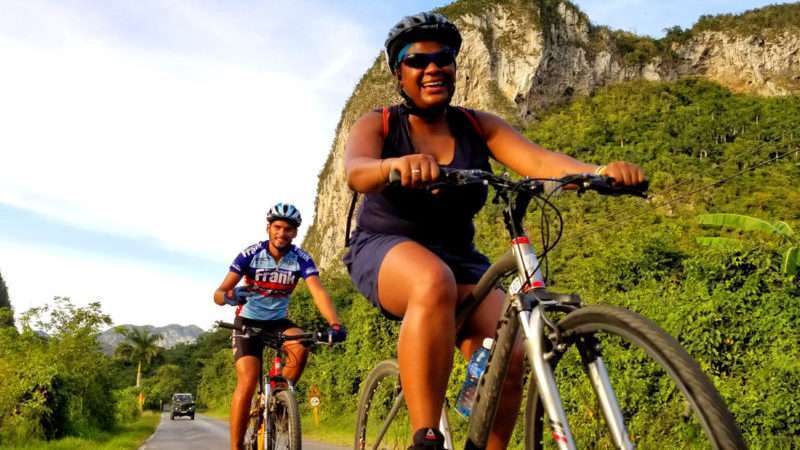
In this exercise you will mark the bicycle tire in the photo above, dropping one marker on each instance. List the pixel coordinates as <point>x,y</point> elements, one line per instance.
<point>380,391</point>
<point>284,423</point>
<point>254,424</point>
<point>708,413</point>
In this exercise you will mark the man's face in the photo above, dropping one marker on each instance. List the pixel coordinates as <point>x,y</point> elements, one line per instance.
<point>281,233</point>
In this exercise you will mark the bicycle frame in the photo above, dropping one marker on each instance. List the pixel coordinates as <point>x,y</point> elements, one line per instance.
<point>266,389</point>
<point>526,305</point>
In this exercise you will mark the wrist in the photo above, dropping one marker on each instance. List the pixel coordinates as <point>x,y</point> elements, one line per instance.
<point>385,174</point>
<point>600,170</point>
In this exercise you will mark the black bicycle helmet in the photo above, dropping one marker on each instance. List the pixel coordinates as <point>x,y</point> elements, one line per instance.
<point>284,211</point>
<point>424,26</point>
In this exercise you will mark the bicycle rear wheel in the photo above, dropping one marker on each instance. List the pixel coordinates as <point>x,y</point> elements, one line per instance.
<point>383,421</point>
<point>665,398</point>
<point>284,423</point>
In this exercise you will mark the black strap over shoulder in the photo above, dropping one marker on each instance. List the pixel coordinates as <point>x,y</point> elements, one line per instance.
<point>352,208</point>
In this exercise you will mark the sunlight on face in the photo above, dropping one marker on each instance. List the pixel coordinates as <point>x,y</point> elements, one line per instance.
<point>281,233</point>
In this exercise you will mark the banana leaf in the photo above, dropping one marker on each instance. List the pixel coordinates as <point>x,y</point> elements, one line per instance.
<point>722,242</point>
<point>740,222</point>
<point>791,261</point>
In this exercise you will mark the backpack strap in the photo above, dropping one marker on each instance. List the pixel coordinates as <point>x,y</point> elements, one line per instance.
<point>473,120</point>
<point>386,113</point>
<point>352,208</point>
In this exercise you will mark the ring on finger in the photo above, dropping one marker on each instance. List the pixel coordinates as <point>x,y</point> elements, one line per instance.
<point>416,171</point>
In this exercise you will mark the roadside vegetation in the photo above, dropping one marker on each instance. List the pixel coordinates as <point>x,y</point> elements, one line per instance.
<point>128,436</point>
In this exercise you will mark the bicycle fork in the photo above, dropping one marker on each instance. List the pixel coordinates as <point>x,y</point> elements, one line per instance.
<point>533,326</point>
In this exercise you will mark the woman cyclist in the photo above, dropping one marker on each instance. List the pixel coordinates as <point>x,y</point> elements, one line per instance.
<point>271,270</point>
<point>412,253</point>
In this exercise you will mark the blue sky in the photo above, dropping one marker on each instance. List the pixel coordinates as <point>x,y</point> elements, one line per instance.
<point>144,140</point>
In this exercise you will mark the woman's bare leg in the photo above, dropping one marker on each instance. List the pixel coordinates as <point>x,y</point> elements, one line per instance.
<point>481,324</point>
<point>415,284</point>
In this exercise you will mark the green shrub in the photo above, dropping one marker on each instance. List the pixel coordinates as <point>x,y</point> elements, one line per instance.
<point>127,405</point>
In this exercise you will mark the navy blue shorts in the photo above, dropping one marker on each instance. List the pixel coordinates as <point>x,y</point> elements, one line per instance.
<point>367,250</point>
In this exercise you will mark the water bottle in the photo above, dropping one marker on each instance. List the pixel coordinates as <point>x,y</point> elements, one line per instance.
<point>475,368</point>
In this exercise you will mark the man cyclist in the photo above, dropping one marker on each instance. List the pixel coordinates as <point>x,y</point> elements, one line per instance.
<point>412,253</point>
<point>271,270</point>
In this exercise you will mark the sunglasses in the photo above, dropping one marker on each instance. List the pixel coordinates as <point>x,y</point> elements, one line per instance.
<point>442,58</point>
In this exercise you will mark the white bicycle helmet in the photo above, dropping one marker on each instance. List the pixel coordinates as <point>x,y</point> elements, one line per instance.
<point>285,211</point>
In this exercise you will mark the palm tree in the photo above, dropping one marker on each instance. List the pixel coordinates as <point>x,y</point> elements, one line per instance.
<point>139,346</point>
<point>781,230</point>
<point>6,317</point>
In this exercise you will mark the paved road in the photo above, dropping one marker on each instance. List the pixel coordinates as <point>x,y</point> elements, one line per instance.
<point>203,433</point>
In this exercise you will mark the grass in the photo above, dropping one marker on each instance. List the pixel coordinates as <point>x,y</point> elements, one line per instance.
<point>338,430</point>
<point>222,413</point>
<point>128,436</point>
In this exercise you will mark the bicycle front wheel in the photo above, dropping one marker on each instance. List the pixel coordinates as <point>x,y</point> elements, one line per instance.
<point>284,423</point>
<point>665,399</point>
<point>383,422</point>
<point>255,424</point>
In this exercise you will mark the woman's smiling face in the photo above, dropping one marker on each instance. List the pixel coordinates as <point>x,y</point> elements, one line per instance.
<point>431,85</point>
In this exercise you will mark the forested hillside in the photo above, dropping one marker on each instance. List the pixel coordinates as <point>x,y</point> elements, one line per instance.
<point>706,150</point>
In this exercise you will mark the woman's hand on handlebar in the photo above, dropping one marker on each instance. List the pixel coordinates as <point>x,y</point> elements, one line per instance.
<point>624,173</point>
<point>415,170</point>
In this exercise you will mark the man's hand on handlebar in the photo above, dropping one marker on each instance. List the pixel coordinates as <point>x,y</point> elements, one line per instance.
<point>336,333</point>
<point>237,296</point>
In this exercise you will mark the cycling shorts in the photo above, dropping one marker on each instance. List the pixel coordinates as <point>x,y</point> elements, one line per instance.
<point>244,345</point>
<point>367,251</point>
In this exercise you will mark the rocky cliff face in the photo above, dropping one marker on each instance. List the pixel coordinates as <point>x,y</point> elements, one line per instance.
<point>522,56</point>
<point>171,335</point>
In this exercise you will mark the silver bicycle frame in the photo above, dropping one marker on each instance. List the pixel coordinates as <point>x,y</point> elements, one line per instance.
<point>444,428</point>
<point>533,328</point>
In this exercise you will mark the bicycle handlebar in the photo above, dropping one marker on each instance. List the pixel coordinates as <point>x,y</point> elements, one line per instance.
<point>310,338</point>
<point>601,184</point>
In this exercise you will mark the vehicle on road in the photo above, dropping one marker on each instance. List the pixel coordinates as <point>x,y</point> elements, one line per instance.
<point>182,405</point>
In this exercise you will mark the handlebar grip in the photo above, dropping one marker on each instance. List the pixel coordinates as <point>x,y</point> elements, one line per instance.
<point>227,325</point>
<point>639,190</point>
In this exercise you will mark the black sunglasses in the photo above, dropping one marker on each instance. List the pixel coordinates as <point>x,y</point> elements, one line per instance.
<point>442,58</point>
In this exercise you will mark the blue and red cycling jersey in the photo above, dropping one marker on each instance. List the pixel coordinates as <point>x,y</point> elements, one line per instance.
<point>272,282</point>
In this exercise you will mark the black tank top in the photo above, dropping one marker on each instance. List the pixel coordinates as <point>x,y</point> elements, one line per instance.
<point>444,218</point>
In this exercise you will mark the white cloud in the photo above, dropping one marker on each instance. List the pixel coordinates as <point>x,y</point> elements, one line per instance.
<point>187,148</point>
<point>129,293</point>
